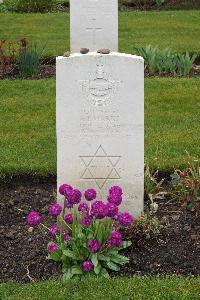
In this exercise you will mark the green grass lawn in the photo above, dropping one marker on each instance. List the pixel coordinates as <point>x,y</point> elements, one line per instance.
<point>28,134</point>
<point>136,288</point>
<point>178,30</point>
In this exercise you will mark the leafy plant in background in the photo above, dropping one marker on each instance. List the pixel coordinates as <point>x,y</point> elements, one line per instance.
<point>7,57</point>
<point>86,240</point>
<point>29,59</point>
<point>186,184</point>
<point>165,62</point>
<point>159,2</point>
<point>27,6</point>
<point>146,227</point>
<point>8,6</point>
<point>185,63</point>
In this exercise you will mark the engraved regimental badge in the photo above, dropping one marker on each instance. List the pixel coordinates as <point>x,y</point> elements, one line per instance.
<point>100,88</point>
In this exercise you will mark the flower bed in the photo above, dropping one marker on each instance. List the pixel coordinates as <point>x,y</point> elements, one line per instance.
<point>23,254</point>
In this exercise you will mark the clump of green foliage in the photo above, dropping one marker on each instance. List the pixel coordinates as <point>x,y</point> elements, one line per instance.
<point>146,227</point>
<point>164,62</point>
<point>29,59</point>
<point>186,184</point>
<point>27,6</point>
<point>7,57</point>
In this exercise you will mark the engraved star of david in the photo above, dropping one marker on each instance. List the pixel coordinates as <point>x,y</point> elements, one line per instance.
<point>100,167</point>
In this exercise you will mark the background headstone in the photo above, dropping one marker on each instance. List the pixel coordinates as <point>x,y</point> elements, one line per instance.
<point>93,24</point>
<point>100,124</point>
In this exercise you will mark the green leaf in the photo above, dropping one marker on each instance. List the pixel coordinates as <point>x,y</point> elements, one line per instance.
<point>124,245</point>
<point>113,266</point>
<point>107,232</point>
<point>68,275</point>
<point>104,273</point>
<point>94,259</point>
<point>104,257</point>
<point>97,269</point>
<point>76,270</point>
<point>55,256</point>
<point>100,233</point>
<point>89,234</point>
<point>119,259</point>
<point>70,254</point>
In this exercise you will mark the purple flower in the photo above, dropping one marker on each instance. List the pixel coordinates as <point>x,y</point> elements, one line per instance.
<point>115,198</point>
<point>87,266</point>
<point>112,210</point>
<point>99,209</point>
<point>73,197</point>
<point>125,219</point>
<point>90,194</point>
<point>64,188</point>
<point>52,247</point>
<point>115,239</point>
<point>69,205</point>
<point>115,190</point>
<point>86,221</point>
<point>33,219</point>
<point>66,236</point>
<point>53,230</point>
<point>69,218</point>
<point>55,209</point>
<point>93,246</point>
<point>83,207</point>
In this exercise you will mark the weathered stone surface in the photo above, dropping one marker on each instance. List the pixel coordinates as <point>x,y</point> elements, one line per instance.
<point>93,24</point>
<point>100,124</point>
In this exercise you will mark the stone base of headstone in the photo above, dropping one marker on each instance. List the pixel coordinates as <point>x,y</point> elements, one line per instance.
<point>100,124</point>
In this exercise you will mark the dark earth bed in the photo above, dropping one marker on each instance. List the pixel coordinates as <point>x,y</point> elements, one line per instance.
<point>48,70</point>
<point>23,253</point>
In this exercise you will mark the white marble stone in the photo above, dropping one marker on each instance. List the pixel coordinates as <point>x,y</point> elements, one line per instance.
<point>94,24</point>
<point>100,124</point>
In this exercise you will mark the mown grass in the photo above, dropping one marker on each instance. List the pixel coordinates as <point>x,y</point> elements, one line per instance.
<point>28,133</point>
<point>178,30</point>
<point>140,288</point>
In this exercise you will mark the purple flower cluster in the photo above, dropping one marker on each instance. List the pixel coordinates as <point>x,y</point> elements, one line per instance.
<point>115,190</point>
<point>115,195</point>
<point>53,230</point>
<point>115,239</point>
<point>69,218</point>
<point>66,236</point>
<point>112,210</point>
<point>86,221</point>
<point>73,196</point>
<point>125,219</point>
<point>52,247</point>
<point>64,188</point>
<point>98,209</point>
<point>90,194</point>
<point>55,210</point>
<point>87,266</point>
<point>83,207</point>
<point>93,246</point>
<point>33,218</point>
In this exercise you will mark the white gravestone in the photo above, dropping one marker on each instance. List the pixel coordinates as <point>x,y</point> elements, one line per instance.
<point>93,24</point>
<point>100,124</point>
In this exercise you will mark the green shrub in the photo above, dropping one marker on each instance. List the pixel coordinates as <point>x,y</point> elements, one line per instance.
<point>27,6</point>
<point>165,62</point>
<point>29,59</point>
<point>9,5</point>
<point>186,184</point>
<point>146,227</point>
